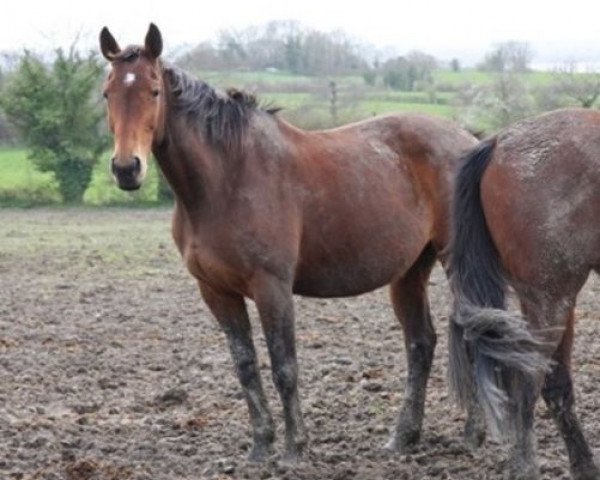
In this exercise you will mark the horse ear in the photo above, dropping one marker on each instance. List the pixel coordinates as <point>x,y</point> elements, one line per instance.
<point>153,43</point>
<point>108,45</point>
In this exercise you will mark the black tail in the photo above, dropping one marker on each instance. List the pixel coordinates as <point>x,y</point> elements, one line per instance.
<point>490,349</point>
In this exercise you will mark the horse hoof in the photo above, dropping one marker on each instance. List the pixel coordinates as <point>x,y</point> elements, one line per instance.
<point>531,473</point>
<point>291,458</point>
<point>295,448</point>
<point>590,473</point>
<point>474,437</point>
<point>259,454</point>
<point>404,443</point>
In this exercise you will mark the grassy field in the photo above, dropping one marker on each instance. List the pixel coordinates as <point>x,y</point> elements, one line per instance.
<point>22,185</point>
<point>18,171</point>
<point>305,101</point>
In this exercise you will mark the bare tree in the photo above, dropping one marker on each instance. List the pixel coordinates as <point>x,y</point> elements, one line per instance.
<point>509,56</point>
<point>491,107</point>
<point>582,87</point>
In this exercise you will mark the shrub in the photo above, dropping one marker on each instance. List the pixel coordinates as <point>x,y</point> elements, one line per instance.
<point>53,108</point>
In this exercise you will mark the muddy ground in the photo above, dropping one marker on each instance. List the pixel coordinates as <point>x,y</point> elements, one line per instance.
<point>111,368</point>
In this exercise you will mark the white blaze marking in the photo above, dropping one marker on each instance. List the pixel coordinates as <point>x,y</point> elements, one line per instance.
<point>129,79</point>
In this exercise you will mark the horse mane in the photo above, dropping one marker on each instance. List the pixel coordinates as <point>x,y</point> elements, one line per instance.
<point>222,117</point>
<point>128,54</point>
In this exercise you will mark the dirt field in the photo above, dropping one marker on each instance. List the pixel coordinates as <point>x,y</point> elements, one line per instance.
<point>111,368</point>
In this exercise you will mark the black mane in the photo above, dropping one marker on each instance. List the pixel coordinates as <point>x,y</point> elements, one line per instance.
<point>222,117</point>
<point>128,54</point>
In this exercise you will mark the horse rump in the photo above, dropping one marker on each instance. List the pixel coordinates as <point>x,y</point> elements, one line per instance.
<point>492,352</point>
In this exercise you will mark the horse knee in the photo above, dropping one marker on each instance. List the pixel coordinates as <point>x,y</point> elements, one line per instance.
<point>421,352</point>
<point>285,377</point>
<point>246,370</point>
<point>244,357</point>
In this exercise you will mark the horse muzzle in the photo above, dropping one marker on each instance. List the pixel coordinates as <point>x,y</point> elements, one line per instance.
<point>129,174</point>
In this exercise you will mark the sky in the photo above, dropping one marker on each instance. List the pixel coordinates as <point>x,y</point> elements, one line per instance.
<point>466,29</point>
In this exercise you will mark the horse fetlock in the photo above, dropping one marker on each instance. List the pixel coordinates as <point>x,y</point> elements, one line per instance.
<point>295,447</point>
<point>523,466</point>
<point>475,426</point>
<point>261,451</point>
<point>265,434</point>
<point>474,432</point>
<point>588,472</point>
<point>264,437</point>
<point>525,472</point>
<point>403,440</point>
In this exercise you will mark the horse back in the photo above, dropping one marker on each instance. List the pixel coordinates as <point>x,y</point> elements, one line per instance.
<point>376,193</point>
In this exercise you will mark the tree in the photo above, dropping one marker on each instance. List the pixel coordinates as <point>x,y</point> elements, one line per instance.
<point>402,73</point>
<point>582,87</point>
<point>55,109</point>
<point>284,45</point>
<point>494,106</point>
<point>397,74</point>
<point>510,56</point>
<point>370,77</point>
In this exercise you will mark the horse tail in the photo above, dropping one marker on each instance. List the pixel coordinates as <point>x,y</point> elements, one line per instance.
<point>491,350</point>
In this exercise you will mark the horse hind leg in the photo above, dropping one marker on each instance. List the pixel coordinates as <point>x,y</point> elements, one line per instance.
<point>558,395</point>
<point>409,298</point>
<point>230,311</point>
<point>475,425</point>
<point>553,314</point>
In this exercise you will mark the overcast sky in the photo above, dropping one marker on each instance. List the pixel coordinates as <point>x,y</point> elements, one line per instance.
<point>461,28</point>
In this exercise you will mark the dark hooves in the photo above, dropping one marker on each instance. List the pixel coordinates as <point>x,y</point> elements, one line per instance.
<point>404,443</point>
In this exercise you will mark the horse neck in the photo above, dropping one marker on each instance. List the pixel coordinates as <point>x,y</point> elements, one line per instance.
<point>196,171</point>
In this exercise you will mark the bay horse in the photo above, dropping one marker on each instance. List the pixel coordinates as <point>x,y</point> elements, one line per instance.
<point>264,210</point>
<point>526,213</point>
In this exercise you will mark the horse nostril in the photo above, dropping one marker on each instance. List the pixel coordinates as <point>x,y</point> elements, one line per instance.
<point>131,168</point>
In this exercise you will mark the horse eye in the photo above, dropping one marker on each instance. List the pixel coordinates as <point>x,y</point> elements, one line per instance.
<point>155,92</point>
<point>105,95</point>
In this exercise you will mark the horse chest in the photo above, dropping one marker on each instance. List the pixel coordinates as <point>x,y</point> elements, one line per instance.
<point>202,262</point>
<point>198,264</point>
<point>208,266</point>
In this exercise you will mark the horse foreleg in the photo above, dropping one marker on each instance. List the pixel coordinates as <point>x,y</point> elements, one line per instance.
<point>275,306</point>
<point>409,297</point>
<point>558,395</point>
<point>230,311</point>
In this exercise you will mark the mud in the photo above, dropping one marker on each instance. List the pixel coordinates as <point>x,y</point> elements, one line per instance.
<point>112,368</point>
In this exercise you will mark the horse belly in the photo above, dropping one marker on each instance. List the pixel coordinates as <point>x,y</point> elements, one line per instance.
<point>359,261</point>
<point>343,280</point>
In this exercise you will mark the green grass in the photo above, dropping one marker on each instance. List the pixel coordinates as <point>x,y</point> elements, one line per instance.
<point>287,101</point>
<point>18,172</point>
<point>457,79</point>
<point>22,185</point>
<point>242,79</point>
<point>305,101</point>
<point>376,107</point>
<point>454,80</point>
